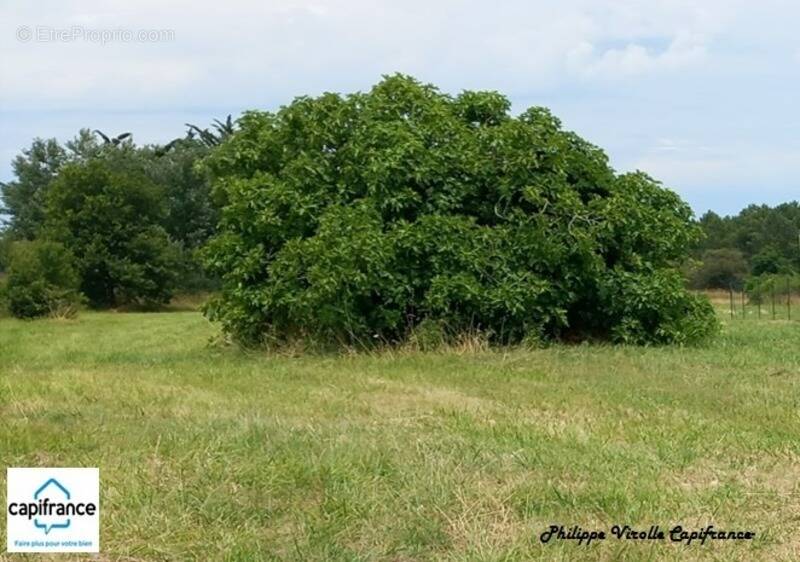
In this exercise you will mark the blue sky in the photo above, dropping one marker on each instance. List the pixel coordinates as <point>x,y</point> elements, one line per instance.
<point>701,95</point>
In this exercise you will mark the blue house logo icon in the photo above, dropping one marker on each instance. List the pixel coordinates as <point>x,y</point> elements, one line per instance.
<point>50,486</point>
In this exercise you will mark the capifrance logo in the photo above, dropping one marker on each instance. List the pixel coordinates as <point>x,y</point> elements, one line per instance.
<point>53,509</point>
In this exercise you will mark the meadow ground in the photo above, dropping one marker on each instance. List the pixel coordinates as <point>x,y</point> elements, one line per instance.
<point>210,453</point>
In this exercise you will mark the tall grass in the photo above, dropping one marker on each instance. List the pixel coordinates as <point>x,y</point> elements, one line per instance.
<point>210,453</point>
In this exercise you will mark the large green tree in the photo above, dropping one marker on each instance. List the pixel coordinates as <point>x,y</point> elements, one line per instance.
<point>721,268</point>
<point>108,213</point>
<point>355,218</point>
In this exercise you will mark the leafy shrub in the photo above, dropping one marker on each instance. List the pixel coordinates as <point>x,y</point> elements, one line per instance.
<point>653,307</point>
<point>428,335</point>
<point>373,216</point>
<point>41,280</point>
<point>5,250</point>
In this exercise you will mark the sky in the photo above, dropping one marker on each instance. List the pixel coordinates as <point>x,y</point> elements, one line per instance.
<point>702,95</point>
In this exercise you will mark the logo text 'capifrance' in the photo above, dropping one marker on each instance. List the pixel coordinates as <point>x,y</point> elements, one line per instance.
<point>53,510</point>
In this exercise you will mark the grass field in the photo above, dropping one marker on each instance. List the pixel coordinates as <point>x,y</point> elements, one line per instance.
<point>209,453</point>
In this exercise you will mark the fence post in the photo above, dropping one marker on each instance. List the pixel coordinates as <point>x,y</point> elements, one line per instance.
<point>788,300</point>
<point>744,309</point>
<point>772,294</point>
<point>730,290</point>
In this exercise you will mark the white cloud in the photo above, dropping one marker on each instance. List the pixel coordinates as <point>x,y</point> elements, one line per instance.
<point>247,45</point>
<point>624,73</point>
<point>685,49</point>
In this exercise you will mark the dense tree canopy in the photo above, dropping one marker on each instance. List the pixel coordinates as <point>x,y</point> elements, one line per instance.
<point>355,218</point>
<point>191,216</point>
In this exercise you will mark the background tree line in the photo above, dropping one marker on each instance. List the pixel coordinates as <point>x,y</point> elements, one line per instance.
<point>760,243</point>
<point>103,220</point>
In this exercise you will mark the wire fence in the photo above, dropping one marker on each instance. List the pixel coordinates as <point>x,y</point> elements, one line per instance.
<point>770,303</point>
